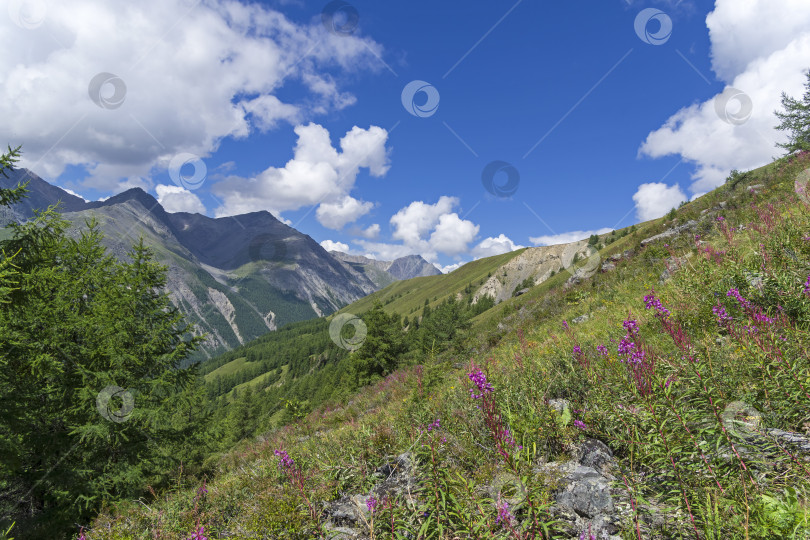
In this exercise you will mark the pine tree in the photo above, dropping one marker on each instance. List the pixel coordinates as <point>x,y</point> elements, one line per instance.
<point>795,120</point>
<point>90,377</point>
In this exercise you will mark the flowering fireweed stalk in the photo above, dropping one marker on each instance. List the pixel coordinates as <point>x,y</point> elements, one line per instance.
<point>293,474</point>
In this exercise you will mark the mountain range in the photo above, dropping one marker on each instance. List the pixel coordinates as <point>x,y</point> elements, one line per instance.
<point>237,277</point>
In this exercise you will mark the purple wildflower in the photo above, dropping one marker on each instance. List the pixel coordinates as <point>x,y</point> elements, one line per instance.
<point>631,326</point>
<point>371,504</point>
<point>587,535</point>
<point>654,303</point>
<point>199,534</point>
<point>602,350</point>
<point>285,461</point>
<point>580,424</point>
<point>807,286</point>
<point>626,346</point>
<point>761,317</point>
<point>721,314</point>
<point>480,380</point>
<point>740,298</point>
<point>565,325</point>
<point>503,513</point>
<point>433,425</point>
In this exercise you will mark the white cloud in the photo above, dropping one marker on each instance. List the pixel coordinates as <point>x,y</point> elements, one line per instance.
<point>453,234</point>
<point>337,215</point>
<point>760,47</point>
<point>329,245</point>
<point>450,267</point>
<point>372,232</point>
<point>74,194</point>
<point>426,230</point>
<point>566,237</point>
<point>414,221</point>
<point>178,199</point>
<point>195,73</point>
<point>655,199</point>
<point>494,246</point>
<point>317,174</point>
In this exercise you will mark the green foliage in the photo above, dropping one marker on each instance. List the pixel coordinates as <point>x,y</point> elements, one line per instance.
<point>74,322</point>
<point>795,121</point>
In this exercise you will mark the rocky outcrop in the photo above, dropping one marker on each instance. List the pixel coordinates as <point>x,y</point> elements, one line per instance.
<point>673,231</point>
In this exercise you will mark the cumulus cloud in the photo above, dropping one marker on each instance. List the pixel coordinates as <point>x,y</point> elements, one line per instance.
<point>427,230</point>
<point>329,245</point>
<point>178,199</point>
<point>337,215</point>
<point>759,47</point>
<point>494,246</point>
<point>372,232</point>
<point>566,237</point>
<point>318,174</point>
<point>450,267</point>
<point>191,73</point>
<point>655,199</point>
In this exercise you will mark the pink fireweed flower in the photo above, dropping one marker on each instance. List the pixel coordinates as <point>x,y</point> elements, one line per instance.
<point>807,286</point>
<point>371,504</point>
<point>721,314</point>
<point>479,379</point>
<point>199,534</point>
<point>503,513</point>
<point>565,325</point>
<point>651,302</point>
<point>433,425</point>
<point>631,326</point>
<point>602,350</point>
<point>735,293</point>
<point>285,461</point>
<point>580,424</point>
<point>761,317</point>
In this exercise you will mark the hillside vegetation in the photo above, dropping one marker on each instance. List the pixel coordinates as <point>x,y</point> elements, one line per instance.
<point>691,365</point>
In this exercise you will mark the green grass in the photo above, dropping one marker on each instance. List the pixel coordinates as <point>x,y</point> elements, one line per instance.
<point>408,296</point>
<point>228,369</point>
<point>661,417</point>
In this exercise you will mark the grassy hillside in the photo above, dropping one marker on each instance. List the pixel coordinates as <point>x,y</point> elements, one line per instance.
<point>407,297</point>
<point>692,367</point>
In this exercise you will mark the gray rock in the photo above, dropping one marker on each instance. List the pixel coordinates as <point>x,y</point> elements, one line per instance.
<point>674,231</point>
<point>559,404</point>
<point>608,266</point>
<point>580,319</point>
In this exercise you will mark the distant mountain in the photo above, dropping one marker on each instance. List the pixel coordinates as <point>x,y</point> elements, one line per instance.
<point>237,277</point>
<point>383,273</point>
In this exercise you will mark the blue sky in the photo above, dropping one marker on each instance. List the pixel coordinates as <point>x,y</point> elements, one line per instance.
<point>603,120</point>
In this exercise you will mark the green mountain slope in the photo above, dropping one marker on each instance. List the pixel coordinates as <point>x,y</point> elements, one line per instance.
<point>690,366</point>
